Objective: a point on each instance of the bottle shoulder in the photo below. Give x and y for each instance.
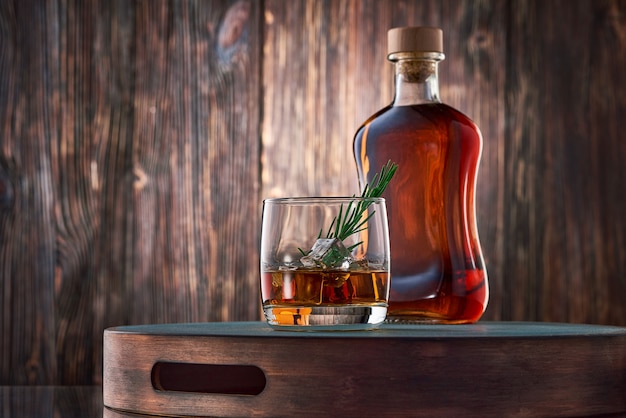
(419, 116)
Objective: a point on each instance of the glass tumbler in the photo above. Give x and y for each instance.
(325, 263)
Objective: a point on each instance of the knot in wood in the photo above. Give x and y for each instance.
(231, 35)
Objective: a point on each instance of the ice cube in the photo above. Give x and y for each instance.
(327, 253)
(308, 262)
(362, 265)
(288, 267)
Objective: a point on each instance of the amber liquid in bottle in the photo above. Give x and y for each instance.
(437, 268)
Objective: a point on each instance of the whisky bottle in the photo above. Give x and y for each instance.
(437, 269)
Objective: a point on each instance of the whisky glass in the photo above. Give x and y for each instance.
(325, 263)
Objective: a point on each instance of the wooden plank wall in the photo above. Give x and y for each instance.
(138, 139)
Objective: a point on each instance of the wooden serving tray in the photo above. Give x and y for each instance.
(245, 369)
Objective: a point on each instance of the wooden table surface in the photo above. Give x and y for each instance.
(485, 369)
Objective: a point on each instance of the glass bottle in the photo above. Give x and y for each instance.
(437, 269)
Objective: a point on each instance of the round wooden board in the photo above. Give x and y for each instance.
(485, 369)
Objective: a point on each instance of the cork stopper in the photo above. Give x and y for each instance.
(415, 39)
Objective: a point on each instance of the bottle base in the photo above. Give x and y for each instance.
(325, 318)
(424, 320)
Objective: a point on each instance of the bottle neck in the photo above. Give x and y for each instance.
(416, 78)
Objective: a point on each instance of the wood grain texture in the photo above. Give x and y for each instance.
(131, 181)
(309, 97)
(138, 138)
(27, 229)
(563, 183)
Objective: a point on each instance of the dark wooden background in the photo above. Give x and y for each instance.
(138, 139)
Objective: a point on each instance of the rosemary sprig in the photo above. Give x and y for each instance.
(351, 220)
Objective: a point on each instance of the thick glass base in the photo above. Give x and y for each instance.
(325, 318)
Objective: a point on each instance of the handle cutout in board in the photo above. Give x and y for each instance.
(225, 379)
